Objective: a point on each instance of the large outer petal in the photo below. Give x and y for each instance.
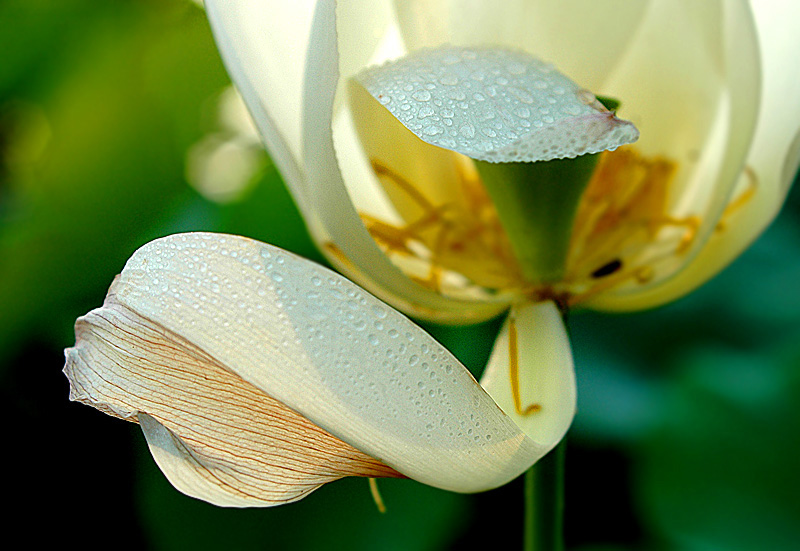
(298, 133)
(264, 47)
(319, 344)
(773, 158)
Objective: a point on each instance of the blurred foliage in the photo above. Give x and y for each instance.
(686, 436)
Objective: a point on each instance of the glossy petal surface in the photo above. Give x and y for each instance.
(494, 105)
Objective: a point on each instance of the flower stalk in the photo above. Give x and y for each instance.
(544, 502)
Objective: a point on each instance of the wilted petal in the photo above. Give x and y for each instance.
(215, 436)
(309, 339)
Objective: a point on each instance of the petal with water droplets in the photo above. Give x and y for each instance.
(501, 105)
(199, 330)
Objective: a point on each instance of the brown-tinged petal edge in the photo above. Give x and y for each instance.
(215, 436)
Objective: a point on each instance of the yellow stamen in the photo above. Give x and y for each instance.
(376, 495)
(623, 213)
(740, 200)
(463, 236)
(623, 230)
(513, 369)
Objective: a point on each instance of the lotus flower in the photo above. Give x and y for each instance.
(257, 376)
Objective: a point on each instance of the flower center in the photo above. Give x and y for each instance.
(622, 230)
(449, 246)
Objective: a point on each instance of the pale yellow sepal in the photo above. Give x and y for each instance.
(545, 376)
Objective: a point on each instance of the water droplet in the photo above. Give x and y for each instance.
(379, 311)
(425, 111)
(421, 95)
(449, 79)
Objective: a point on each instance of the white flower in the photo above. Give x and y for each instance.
(257, 376)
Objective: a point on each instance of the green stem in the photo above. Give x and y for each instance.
(544, 502)
(537, 204)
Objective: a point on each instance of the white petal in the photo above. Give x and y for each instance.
(264, 47)
(494, 105)
(315, 342)
(546, 372)
(584, 38)
(773, 158)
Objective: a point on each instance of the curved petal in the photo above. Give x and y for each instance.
(329, 351)
(566, 33)
(494, 104)
(690, 82)
(771, 163)
(264, 47)
(293, 108)
(546, 374)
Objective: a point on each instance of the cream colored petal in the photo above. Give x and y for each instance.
(331, 216)
(770, 165)
(216, 437)
(546, 372)
(363, 27)
(494, 104)
(584, 38)
(264, 46)
(328, 350)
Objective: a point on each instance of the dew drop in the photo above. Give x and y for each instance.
(449, 79)
(421, 95)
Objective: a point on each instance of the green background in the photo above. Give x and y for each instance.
(687, 431)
